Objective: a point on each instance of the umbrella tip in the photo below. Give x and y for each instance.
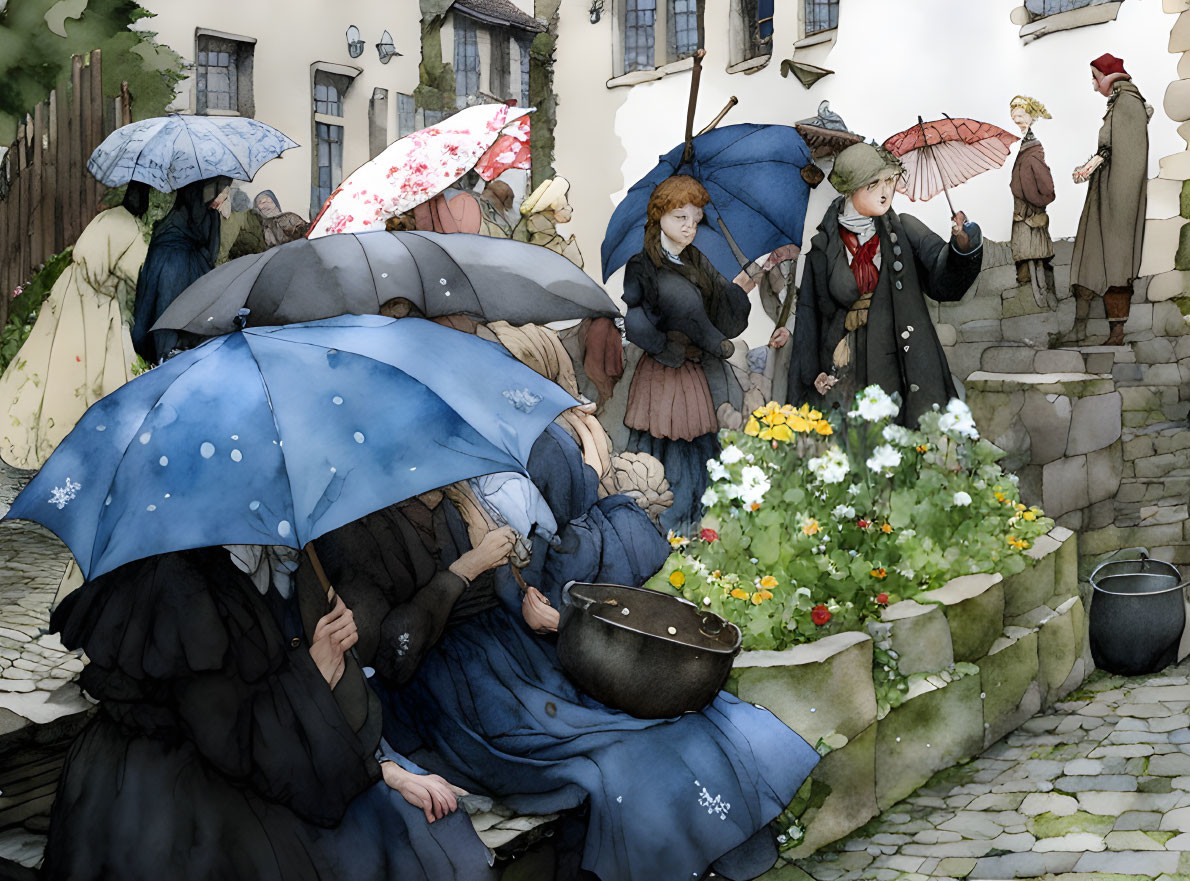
(241, 319)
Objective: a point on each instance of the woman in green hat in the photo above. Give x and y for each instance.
(861, 312)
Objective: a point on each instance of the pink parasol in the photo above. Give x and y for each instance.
(510, 151)
(945, 153)
(420, 166)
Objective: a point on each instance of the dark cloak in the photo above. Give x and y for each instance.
(184, 247)
(898, 348)
(219, 751)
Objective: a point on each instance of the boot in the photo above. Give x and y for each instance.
(1116, 302)
(1082, 309)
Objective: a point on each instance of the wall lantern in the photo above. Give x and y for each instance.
(355, 46)
(386, 48)
(595, 11)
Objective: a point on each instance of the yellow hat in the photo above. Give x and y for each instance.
(1031, 106)
(550, 195)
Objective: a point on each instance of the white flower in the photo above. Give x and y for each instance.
(884, 458)
(873, 405)
(710, 497)
(962, 499)
(716, 470)
(831, 467)
(853, 490)
(957, 420)
(754, 485)
(898, 434)
(802, 592)
(731, 454)
(843, 512)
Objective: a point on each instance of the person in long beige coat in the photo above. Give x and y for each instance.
(1107, 250)
(79, 349)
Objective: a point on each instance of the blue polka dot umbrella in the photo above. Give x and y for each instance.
(277, 435)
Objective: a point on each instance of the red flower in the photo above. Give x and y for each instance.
(882, 599)
(709, 535)
(820, 614)
(863, 524)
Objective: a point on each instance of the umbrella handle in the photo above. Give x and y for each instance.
(320, 572)
(688, 153)
(731, 102)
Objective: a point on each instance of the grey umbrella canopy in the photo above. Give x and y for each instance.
(489, 279)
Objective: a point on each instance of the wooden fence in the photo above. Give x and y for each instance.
(46, 194)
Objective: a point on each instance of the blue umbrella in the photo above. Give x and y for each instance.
(277, 435)
(753, 174)
(168, 152)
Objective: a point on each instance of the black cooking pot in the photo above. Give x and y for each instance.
(1137, 615)
(647, 653)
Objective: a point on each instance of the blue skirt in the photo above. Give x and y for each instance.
(666, 798)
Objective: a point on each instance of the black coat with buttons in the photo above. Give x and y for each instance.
(898, 348)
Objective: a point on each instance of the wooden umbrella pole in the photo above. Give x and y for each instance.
(688, 153)
(320, 572)
(732, 102)
(927, 145)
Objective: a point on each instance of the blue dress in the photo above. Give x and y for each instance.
(491, 709)
(184, 247)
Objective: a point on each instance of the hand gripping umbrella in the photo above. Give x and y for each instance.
(168, 152)
(275, 436)
(945, 153)
(486, 278)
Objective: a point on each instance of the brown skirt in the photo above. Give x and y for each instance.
(670, 402)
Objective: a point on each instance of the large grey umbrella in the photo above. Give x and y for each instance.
(489, 279)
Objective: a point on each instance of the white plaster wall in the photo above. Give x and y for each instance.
(894, 59)
(291, 35)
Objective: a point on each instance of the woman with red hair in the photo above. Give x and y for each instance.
(683, 313)
(1108, 246)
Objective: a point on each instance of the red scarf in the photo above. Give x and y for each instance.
(863, 256)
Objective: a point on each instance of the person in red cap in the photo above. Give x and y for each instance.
(1108, 245)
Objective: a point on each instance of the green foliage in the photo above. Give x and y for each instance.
(22, 311)
(790, 826)
(814, 525)
(34, 59)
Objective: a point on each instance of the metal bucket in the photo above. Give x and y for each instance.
(647, 653)
(1137, 615)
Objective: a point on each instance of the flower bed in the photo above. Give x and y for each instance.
(816, 522)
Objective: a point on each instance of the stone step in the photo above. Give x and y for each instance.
(1094, 360)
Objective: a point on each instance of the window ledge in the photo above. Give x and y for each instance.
(223, 35)
(1098, 13)
(817, 39)
(215, 111)
(750, 64)
(645, 76)
(327, 119)
(347, 70)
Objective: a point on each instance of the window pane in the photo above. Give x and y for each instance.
(216, 80)
(639, 20)
(821, 15)
(525, 50)
(466, 59)
(683, 18)
(406, 115)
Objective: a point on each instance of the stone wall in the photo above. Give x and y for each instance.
(1025, 635)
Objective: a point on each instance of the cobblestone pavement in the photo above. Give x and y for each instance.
(36, 673)
(1098, 787)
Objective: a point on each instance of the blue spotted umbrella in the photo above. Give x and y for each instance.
(168, 152)
(277, 435)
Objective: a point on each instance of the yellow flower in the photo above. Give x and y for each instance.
(755, 506)
(886, 529)
(921, 448)
(1018, 543)
(810, 527)
(1000, 497)
(757, 599)
(752, 429)
(769, 582)
(765, 594)
(716, 575)
(739, 593)
(799, 423)
(677, 578)
(1029, 515)
(1020, 507)
(677, 541)
(813, 415)
(823, 427)
(879, 573)
(777, 433)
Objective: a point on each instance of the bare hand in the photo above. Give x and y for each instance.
(334, 635)
(779, 338)
(538, 613)
(744, 280)
(958, 232)
(493, 551)
(824, 382)
(431, 793)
